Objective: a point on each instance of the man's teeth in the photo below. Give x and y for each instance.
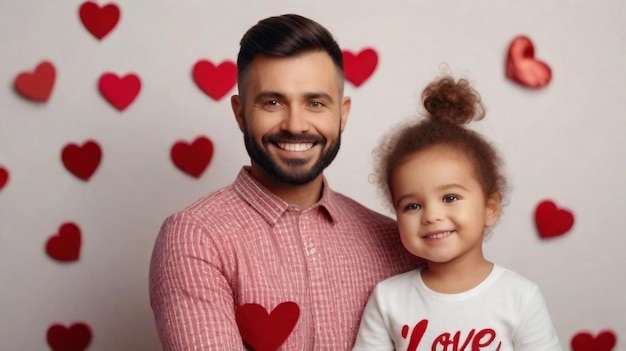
(439, 235)
(295, 147)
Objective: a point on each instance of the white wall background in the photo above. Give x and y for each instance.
(565, 142)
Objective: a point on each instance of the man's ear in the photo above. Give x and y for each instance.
(237, 106)
(493, 206)
(345, 111)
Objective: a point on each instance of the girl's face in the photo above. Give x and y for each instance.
(441, 207)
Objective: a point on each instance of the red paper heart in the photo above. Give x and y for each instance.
(65, 246)
(552, 221)
(263, 331)
(192, 158)
(215, 81)
(36, 86)
(604, 341)
(523, 68)
(4, 177)
(120, 92)
(99, 21)
(82, 161)
(358, 68)
(75, 338)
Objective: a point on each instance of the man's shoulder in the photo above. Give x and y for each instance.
(219, 203)
(352, 208)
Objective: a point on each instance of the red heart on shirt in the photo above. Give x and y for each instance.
(75, 338)
(604, 341)
(215, 81)
(65, 246)
(523, 68)
(99, 21)
(263, 331)
(120, 92)
(4, 177)
(82, 161)
(358, 68)
(36, 86)
(552, 221)
(192, 158)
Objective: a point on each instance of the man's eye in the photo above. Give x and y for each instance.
(450, 198)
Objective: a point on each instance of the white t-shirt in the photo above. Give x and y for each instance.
(504, 312)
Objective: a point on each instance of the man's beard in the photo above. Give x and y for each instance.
(289, 173)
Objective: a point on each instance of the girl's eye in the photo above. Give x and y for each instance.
(450, 198)
(412, 207)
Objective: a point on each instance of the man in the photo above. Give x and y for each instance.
(278, 236)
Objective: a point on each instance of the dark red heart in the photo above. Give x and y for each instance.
(552, 221)
(4, 177)
(36, 86)
(358, 68)
(604, 341)
(99, 21)
(120, 92)
(523, 68)
(75, 338)
(215, 81)
(192, 158)
(82, 161)
(65, 246)
(263, 331)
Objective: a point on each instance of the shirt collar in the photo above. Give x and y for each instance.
(270, 206)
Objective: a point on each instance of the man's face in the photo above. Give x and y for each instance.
(291, 112)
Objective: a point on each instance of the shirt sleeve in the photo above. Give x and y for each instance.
(373, 334)
(191, 298)
(536, 331)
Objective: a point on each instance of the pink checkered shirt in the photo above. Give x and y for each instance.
(242, 244)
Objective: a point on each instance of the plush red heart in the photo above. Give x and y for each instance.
(36, 86)
(82, 161)
(604, 341)
(65, 246)
(75, 338)
(552, 221)
(4, 177)
(523, 68)
(99, 21)
(358, 68)
(215, 81)
(192, 158)
(120, 92)
(263, 331)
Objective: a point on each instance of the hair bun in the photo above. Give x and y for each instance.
(452, 102)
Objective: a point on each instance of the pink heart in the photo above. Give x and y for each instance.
(358, 68)
(552, 221)
(215, 81)
(263, 331)
(120, 92)
(523, 68)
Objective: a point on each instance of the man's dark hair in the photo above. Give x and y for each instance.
(284, 36)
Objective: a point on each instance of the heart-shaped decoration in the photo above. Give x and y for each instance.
(192, 158)
(36, 86)
(75, 338)
(358, 68)
(523, 68)
(65, 246)
(604, 341)
(215, 81)
(4, 177)
(82, 161)
(99, 21)
(552, 221)
(263, 331)
(120, 92)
